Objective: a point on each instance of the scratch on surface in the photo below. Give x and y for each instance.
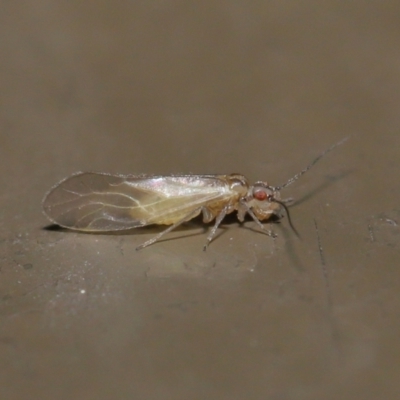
(335, 333)
(323, 265)
(320, 248)
(371, 233)
(391, 221)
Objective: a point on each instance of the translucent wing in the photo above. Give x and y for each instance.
(101, 202)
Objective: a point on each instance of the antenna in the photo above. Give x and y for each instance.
(288, 215)
(302, 172)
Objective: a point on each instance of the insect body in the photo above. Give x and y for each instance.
(97, 202)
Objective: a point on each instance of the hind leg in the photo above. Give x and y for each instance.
(191, 215)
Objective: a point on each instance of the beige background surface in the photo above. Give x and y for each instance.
(256, 87)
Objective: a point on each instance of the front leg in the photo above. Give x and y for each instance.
(246, 209)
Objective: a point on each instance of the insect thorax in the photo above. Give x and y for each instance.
(238, 183)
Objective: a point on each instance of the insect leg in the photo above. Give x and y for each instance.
(262, 227)
(218, 221)
(169, 229)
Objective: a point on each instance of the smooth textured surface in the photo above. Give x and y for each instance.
(258, 88)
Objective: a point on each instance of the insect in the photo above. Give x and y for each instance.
(100, 202)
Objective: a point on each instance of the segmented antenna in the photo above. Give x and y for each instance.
(302, 172)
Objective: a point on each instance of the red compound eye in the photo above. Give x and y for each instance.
(260, 195)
